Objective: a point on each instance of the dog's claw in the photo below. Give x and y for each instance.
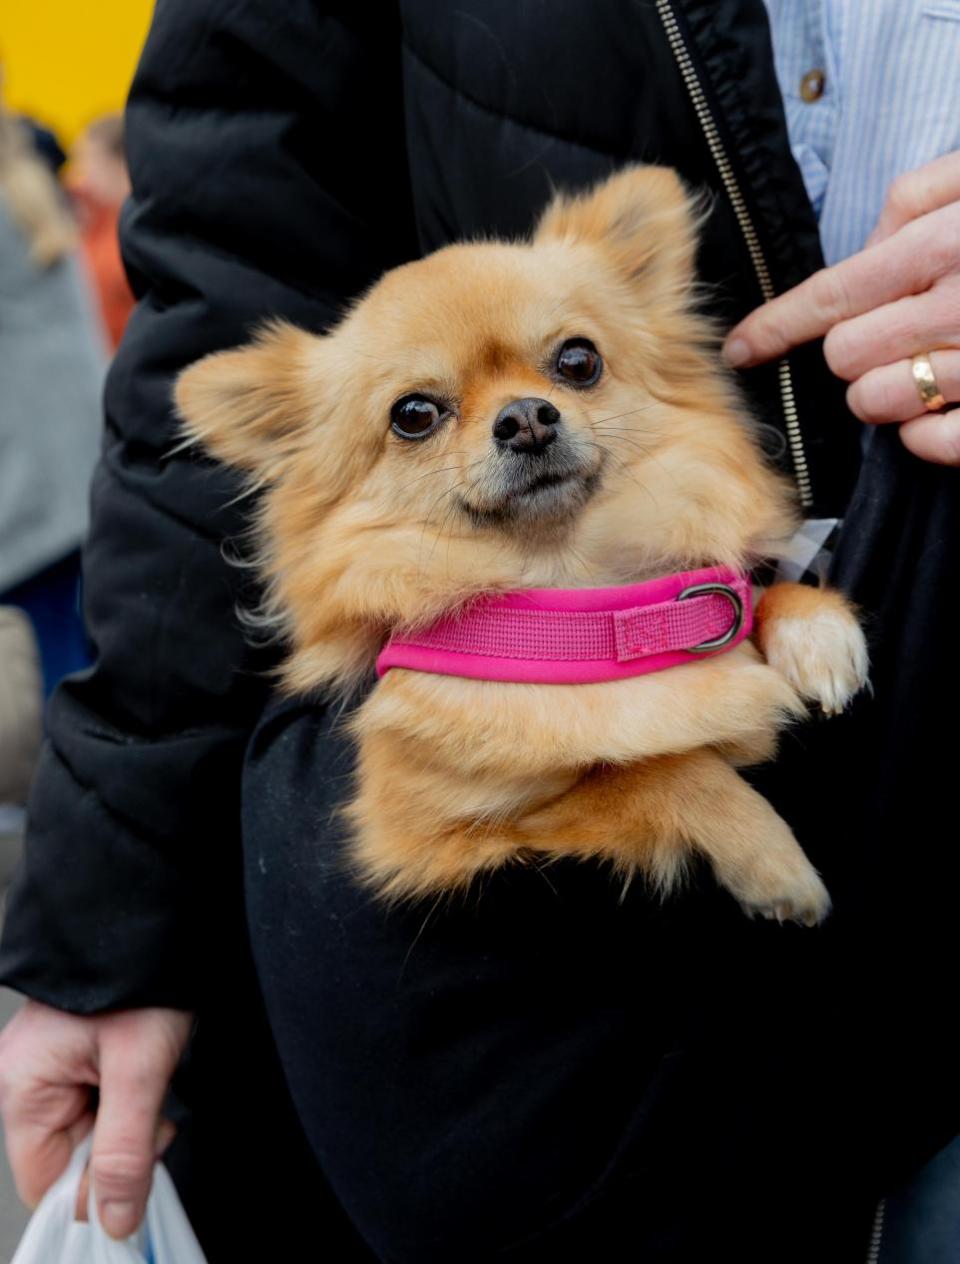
(808, 906)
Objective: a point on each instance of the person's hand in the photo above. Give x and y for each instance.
(49, 1063)
(897, 298)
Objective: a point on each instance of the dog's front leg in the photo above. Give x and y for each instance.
(414, 837)
(812, 637)
(653, 815)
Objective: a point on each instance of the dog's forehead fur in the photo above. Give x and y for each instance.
(482, 303)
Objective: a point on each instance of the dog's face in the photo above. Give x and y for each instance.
(492, 415)
(488, 376)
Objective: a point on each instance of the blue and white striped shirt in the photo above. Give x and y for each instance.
(890, 100)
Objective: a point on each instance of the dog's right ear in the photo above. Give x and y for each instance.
(252, 407)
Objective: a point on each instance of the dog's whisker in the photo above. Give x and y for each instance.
(448, 516)
(439, 499)
(599, 421)
(624, 468)
(623, 429)
(439, 535)
(641, 455)
(643, 449)
(618, 436)
(446, 469)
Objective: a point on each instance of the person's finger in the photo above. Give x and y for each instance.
(889, 393)
(893, 332)
(165, 1135)
(39, 1149)
(934, 437)
(133, 1082)
(907, 264)
(917, 193)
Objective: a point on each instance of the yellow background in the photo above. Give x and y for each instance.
(65, 61)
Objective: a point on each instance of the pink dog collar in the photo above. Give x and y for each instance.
(570, 636)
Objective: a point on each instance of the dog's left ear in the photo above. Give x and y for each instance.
(642, 218)
(252, 407)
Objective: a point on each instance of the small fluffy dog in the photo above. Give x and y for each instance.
(529, 415)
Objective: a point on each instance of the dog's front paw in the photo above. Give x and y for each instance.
(802, 898)
(781, 884)
(823, 655)
(765, 869)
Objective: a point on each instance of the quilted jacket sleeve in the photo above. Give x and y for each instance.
(262, 140)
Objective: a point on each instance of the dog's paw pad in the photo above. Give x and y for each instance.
(824, 657)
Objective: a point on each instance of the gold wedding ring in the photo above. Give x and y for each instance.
(926, 383)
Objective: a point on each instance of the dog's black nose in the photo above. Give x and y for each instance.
(526, 425)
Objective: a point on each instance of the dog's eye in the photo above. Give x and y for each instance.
(579, 362)
(416, 416)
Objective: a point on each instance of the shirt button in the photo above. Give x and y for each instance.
(812, 85)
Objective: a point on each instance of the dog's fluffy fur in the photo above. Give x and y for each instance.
(362, 531)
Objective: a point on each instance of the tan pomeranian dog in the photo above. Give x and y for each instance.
(514, 416)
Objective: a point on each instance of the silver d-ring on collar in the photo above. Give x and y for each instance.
(724, 590)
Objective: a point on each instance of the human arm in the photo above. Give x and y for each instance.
(251, 199)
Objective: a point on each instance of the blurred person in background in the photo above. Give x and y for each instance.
(20, 727)
(52, 362)
(99, 183)
(45, 143)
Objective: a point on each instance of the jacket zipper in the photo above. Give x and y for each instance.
(701, 105)
(876, 1233)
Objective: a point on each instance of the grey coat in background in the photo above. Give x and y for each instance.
(21, 695)
(52, 363)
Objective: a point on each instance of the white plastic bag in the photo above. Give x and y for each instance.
(54, 1236)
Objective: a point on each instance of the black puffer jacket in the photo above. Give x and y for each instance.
(546, 1072)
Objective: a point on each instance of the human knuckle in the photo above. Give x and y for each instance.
(885, 402)
(838, 351)
(138, 1037)
(769, 336)
(142, 1076)
(872, 399)
(951, 237)
(942, 250)
(120, 1168)
(832, 295)
(903, 197)
(858, 401)
(947, 298)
